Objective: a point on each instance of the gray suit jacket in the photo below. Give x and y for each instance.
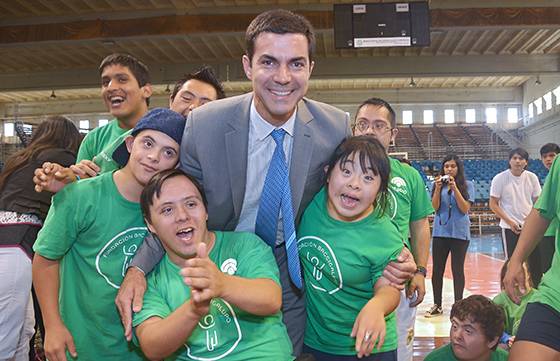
(214, 150)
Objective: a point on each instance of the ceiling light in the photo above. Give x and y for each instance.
(53, 95)
(538, 81)
(412, 83)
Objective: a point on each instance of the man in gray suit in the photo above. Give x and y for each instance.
(228, 146)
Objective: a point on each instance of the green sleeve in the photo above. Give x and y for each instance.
(154, 304)
(85, 151)
(421, 206)
(61, 227)
(547, 204)
(377, 269)
(256, 260)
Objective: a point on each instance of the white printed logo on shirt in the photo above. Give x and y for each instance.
(320, 258)
(229, 266)
(396, 185)
(217, 335)
(113, 259)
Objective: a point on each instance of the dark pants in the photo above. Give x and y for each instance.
(321, 356)
(293, 302)
(509, 240)
(440, 251)
(540, 324)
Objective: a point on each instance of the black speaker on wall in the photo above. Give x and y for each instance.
(381, 25)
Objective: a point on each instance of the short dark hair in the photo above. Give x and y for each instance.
(481, 310)
(519, 151)
(380, 103)
(136, 67)
(153, 189)
(549, 147)
(370, 150)
(279, 21)
(206, 75)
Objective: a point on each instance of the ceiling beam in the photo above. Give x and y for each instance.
(220, 23)
(325, 68)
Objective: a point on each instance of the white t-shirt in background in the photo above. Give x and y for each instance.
(515, 194)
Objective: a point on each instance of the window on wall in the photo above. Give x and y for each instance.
(547, 101)
(470, 115)
(407, 117)
(538, 105)
(512, 115)
(491, 115)
(530, 110)
(449, 116)
(556, 93)
(102, 122)
(84, 126)
(428, 116)
(8, 129)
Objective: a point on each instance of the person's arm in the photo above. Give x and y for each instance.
(371, 319)
(536, 189)
(46, 282)
(85, 169)
(258, 296)
(532, 233)
(132, 289)
(463, 204)
(52, 177)
(436, 196)
(420, 243)
(402, 270)
(161, 337)
(495, 207)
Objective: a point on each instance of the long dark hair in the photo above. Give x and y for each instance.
(55, 132)
(460, 178)
(370, 151)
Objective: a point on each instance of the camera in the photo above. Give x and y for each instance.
(445, 179)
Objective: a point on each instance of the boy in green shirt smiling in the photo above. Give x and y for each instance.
(227, 302)
(92, 231)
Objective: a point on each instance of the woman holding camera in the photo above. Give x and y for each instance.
(452, 197)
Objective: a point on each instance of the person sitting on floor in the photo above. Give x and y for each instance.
(476, 326)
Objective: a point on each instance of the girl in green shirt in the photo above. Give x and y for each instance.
(345, 242)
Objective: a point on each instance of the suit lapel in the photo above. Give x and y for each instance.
(237, 140)
(301, 154)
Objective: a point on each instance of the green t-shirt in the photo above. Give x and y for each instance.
(227, 332)
(552, 227)
(408, 198)
(341, 262)
(513, 311)
(94, 232)
(96, 140)
(548, 205)
(445, 353)
(105, 159)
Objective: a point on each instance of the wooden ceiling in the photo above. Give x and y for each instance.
(58, 44)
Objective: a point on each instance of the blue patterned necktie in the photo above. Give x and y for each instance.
(276, 193)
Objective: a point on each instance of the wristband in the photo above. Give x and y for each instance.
(422, 270)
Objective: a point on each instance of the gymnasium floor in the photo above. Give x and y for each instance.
(484, 260)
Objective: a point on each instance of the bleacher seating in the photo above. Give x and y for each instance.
(479, 171)
(469, 141)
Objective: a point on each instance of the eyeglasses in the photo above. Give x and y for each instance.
(378, 127)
